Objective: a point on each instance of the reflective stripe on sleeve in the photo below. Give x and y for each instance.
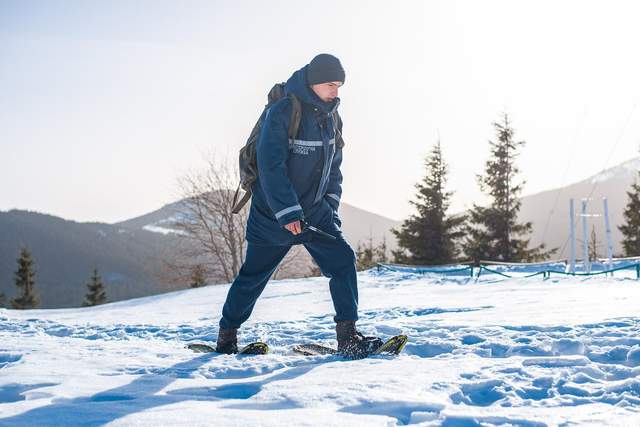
(287, 210)
(334, 197)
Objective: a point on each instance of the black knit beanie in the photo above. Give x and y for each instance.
(324, 68)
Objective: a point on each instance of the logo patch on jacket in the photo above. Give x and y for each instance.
(300, 149)
(298, 146)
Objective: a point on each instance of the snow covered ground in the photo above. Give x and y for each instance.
(497, 351)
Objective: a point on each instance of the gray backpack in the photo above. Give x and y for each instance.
(248, 164)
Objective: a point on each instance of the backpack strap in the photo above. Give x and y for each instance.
(296, 114)
(238, 204)
(337, 121)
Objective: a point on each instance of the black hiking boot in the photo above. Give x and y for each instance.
(227, 341)
(352, 344)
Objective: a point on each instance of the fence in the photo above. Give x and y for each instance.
(526, 270)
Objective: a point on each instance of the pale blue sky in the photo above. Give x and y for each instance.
(104, 104)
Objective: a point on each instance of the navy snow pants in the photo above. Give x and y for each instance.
(335, 258)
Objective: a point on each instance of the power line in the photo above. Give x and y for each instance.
(622, 132)
(606, 162)
(566, 170)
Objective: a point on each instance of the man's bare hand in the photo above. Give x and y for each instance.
(295, 227)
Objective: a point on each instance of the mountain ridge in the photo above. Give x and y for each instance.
(129, 254)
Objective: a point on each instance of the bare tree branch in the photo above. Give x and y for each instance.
(211, 238)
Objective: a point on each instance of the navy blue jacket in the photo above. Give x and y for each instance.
(299, 178)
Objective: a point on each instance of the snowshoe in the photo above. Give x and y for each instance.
(255, 348)
(393, 346)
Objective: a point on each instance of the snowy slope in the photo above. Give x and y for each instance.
(526, 352)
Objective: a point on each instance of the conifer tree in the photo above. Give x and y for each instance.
(429, 237)
(2, 299)
(494, 233)
(368, 255)
(25, 281)
(631, 228)
(198, 276)
(97, 294)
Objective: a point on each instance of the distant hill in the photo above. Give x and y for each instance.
(129, 254)
(549, 210)
(358, 224)
(65, 252)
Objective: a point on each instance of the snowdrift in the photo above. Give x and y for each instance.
(487, 351)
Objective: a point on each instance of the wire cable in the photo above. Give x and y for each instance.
(564, 174)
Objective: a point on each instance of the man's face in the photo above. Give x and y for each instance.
(327, 91)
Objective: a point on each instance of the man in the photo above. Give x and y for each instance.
(299, 181)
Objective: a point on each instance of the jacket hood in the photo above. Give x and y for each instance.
(297, 84)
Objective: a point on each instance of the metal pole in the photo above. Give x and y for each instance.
(572, 238)
(585, 237)
(608, 231)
